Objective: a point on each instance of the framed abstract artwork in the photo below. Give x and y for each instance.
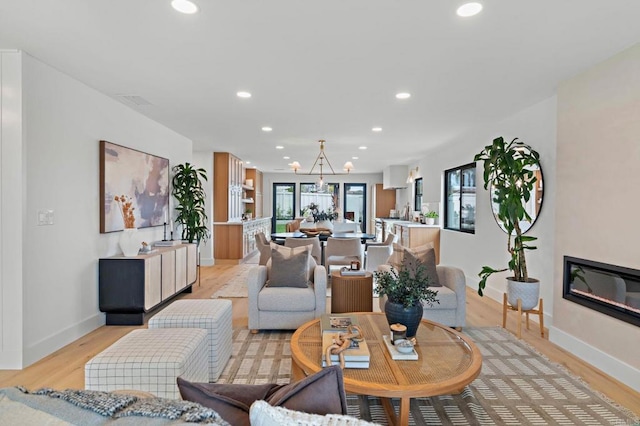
(140, 178)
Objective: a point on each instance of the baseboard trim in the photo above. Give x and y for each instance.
(62, 338)
(614, 367)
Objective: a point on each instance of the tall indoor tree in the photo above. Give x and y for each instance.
(509, 173)
(189, 192)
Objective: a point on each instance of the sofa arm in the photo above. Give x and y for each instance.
(255, 281)
(320, 289)
(454, 278)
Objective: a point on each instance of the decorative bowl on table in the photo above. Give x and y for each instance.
(404, 346)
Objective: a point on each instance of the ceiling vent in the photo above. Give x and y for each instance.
(134, 100)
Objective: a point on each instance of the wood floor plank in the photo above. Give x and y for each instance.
(65, 367)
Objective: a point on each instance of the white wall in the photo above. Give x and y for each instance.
(535, 126)
(204, 159)
(63, 122)
(12, 184)
(597, 206)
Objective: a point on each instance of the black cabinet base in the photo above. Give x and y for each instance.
(125, 319)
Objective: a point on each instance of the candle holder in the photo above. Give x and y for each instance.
(164, 238)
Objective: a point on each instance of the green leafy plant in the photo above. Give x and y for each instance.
(405, 286)
(509, 173)
(432, 214)
(319, 215)
(189, 192)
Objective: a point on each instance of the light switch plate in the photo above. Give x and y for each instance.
(45, 217)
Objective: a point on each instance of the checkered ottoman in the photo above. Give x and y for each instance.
(151, 360)
(212, 315)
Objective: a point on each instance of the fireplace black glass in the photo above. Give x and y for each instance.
(610, 289)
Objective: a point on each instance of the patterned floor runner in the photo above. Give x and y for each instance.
(517, 385)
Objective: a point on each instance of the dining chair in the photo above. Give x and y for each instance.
(314, 242)
(264, 247)
(342, 251)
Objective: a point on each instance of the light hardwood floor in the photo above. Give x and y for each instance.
(65, 368)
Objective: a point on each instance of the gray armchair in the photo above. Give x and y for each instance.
(451, 310)
(285, 308)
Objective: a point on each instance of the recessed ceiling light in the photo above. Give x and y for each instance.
(362, 147)
(403, 95)
(279, 147)
(354, 158)
(469, 9)
(286, 157)
(376, 129)
(184, 6)
(247, 162)
(243, 94)
(266, 129)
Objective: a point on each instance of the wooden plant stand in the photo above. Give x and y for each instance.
(539, 312)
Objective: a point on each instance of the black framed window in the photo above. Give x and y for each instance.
(355, 204)
(460, 204)
(417, 198)
(284, 205)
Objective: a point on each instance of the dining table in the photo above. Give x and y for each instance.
(280, 237)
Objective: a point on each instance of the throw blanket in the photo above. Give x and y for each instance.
(116, 406)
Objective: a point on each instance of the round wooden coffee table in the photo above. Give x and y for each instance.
(448, 361)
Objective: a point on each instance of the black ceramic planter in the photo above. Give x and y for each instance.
(411, 317)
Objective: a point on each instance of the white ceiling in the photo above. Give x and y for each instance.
(322, 69)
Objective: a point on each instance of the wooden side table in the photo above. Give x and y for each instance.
(351, 293)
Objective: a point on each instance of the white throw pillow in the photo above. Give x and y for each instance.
(263, 414)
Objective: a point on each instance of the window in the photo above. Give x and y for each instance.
(284, 196)
(417, 199)
(460, 206)
(355, 202)
(325, 200)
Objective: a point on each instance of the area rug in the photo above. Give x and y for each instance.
(236, 285)
(517, 385)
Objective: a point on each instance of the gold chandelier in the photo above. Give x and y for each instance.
(321, 159)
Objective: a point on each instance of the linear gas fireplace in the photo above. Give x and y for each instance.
(612, 290)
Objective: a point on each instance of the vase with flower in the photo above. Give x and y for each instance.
(322, 218)
(130, 242)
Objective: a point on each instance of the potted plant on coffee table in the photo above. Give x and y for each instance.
(189, 192)
(509, 172)
(406, 290)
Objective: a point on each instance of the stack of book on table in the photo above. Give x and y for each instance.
(353, 272)
(357, 355)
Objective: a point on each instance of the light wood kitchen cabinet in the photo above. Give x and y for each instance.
(256, 192)
(237, 240)
(228, 181)
(131, 286)
(414, 235)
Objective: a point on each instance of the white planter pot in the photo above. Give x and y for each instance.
(130, 242)
(429, 220)
(528, 292)
(324, 224)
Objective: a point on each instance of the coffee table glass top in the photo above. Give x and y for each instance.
(448, 360)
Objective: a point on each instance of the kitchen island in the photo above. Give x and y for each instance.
(412, 234)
